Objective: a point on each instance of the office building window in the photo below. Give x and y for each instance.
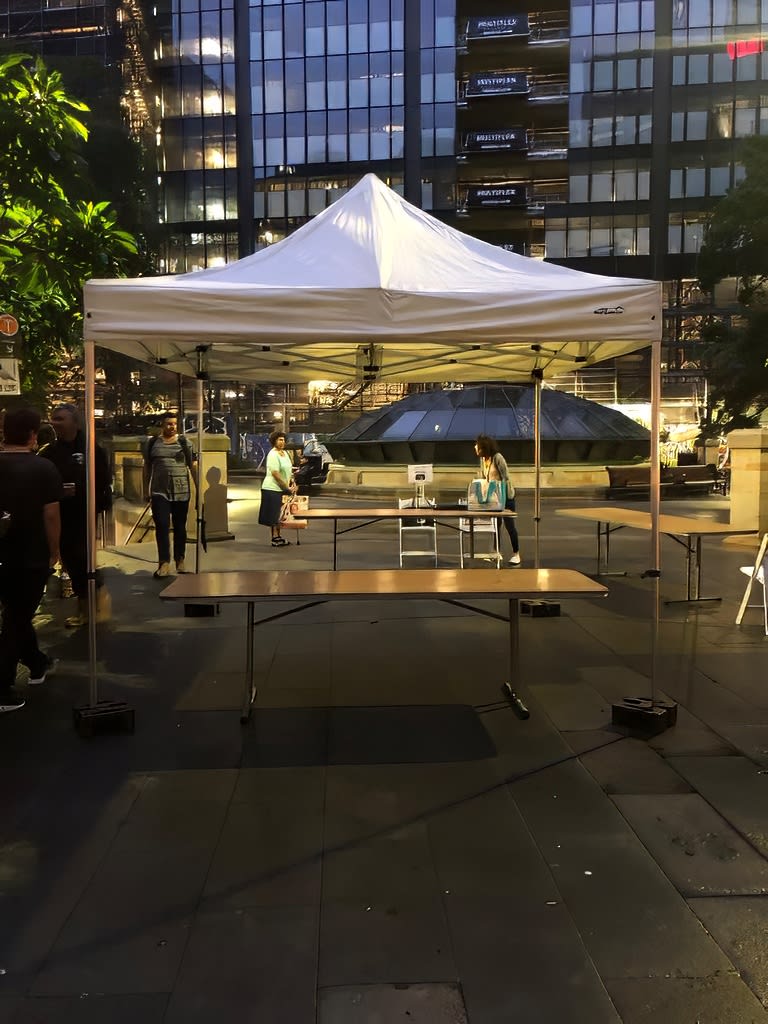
(578, 237)
(685, 233)
(345, 58)
(719, 180)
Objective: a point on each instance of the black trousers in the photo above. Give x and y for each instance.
(74, 555)
(165, 512)
(509, 523)
(21, 591)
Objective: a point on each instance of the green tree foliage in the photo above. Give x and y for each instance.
(736, 357)
(736, 245)
(53, 235)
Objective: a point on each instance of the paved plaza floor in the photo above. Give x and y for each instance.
(386, 840)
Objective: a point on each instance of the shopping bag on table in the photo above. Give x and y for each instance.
(294, 506)
(486, 496)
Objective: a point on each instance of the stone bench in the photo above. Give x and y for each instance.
(676, 481)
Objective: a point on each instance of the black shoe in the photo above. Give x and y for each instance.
(10, 701)
(280, 542)
(39, 678)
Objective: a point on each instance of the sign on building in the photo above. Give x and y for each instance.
(497, 84)
(509, 138)
(10, 379)
(497, 195)
(10, 374)
(507, 25)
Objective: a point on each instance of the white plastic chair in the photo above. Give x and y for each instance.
(424, 531)
(755, 576)
(484, 529)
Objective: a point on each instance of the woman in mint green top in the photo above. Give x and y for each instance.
(278, 480)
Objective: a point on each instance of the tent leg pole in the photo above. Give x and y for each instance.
(200, 475)
(648, 715)
(655, 510)
(538, 376)
(90, 480)
(105, 716)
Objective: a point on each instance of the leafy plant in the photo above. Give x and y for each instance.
(736, 245)
(53, 235)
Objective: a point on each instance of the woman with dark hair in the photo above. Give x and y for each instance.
(493, 466)
(278, 481)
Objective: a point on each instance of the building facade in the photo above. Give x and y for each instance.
(598, 133)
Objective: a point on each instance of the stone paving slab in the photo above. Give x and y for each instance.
(129, 928)
(522, 746)
(267, 856)
(252, 964)
(213, 690)
(737, 789)
(382, 1004)
(602, 870)
(716, 1000)
(750, 740)
(530, 967)
(484, 855)
(707, 698)
(745, 675)
(44, 871)
(377, 943)
(573, 706)
(694, 845)
(739, 925)
(86, 1008)
(631, 766)
(390, 870)
(364, 801)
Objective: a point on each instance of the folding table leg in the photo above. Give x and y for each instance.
(249, 693)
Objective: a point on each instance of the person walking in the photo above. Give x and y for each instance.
(278, 481)
(169, 462)
(493, 466)
(30, 526)
(69, 455)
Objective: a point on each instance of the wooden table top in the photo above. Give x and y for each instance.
(641, 520)
(399, 513)
(292, 584)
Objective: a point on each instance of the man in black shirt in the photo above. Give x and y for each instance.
(29, 545)
(68, 454)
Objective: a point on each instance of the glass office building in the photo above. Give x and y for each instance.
(598, 133)
(268, 112)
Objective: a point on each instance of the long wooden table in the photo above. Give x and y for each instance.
(687, 531)
(369, 516)
(452, 586)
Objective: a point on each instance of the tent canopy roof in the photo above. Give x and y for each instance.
(375, 282)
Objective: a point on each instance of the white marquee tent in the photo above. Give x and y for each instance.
(375, 288)
(372, 269)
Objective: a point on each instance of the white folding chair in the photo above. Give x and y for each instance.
(485, 530)
(424, 532)
(756, 574)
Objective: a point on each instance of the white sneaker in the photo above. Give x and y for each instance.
(9, 702)
(515, 559)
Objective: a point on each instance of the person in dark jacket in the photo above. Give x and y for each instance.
(29, 545)
(68, 454)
